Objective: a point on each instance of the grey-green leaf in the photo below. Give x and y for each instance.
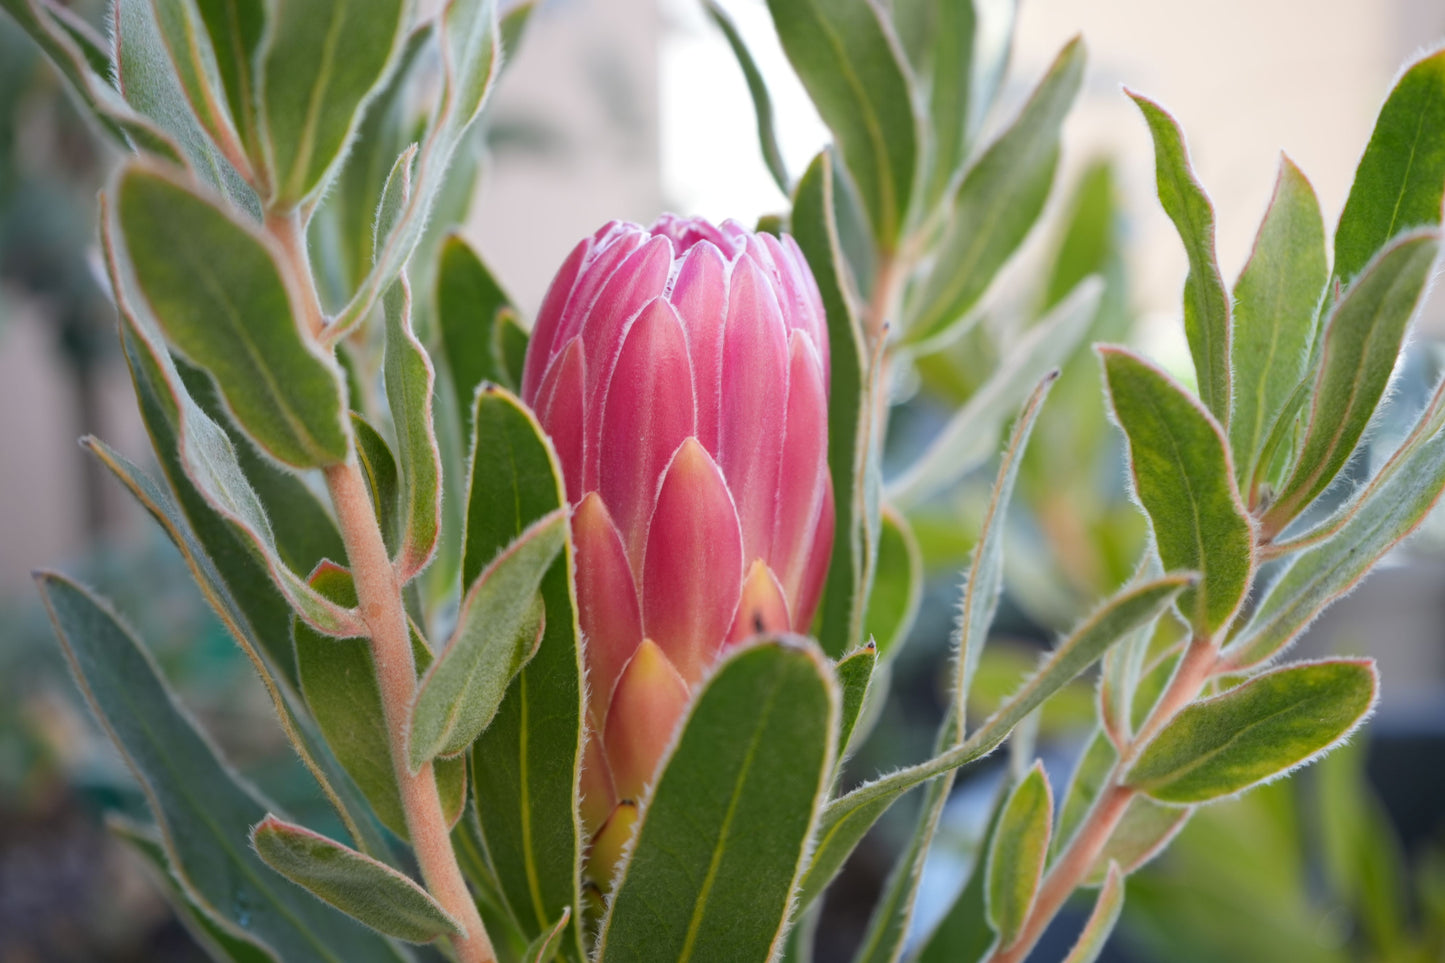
(846, 55)
(816, 231)
(236, 28)
(897, 583)
(204, 809)
(367, 891)
(848, 818)
(997, 204)
(410, 381)
(1183, 478)
(1206, 304)
(1362, 342)
(544, 948)
(739, 794)
(194, 62)
(1016, 854)
(758, 90)
(1396, 501)
(1091, 939)
(1257, 731)
(1275, 301)
(214, 286)
(383, 483)
(498, 630)
(855, 674)
(1400, 181)
(320, 62)
(468, 301)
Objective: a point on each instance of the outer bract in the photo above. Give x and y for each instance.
(682, 372)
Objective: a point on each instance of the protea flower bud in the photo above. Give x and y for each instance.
(682, 373)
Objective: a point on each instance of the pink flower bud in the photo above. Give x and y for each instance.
(682, 373)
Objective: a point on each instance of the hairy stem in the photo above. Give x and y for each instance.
(1082, 852)
(380, 606)
(378, 591)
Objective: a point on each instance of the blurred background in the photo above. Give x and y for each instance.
(626, 108)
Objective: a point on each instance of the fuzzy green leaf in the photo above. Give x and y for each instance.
(739, 794)
(1257, 731)
(235, 28)
(383, 483)
(1275, 301)
(545, 947)
(195, 66)
(531, 752)
(816, 231)
(963, 933)
(1206, 304)
(1182, 476)
(1400, 181)
(846, 55)
(997, 204)
(1016, 854)
(319, 65)
(846, 819)
(1393, 505)
(204, 809)
(409, 389)
(897, 585)
(951, 25)
(214, 286)
(468, 301)
(1362, 343)
(1091, 939)
(369, 892)
(338, 679)
(498, 631)
(758, 90)
(855, 675)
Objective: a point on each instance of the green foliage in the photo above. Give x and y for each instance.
(1016, 855)
(739, 794)
(1095, 933)
(409, 387)
(855, 678)
(469, 306)
(370, 892)
(1256, 731)
(897, 583)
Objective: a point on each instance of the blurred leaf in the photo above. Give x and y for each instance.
(1394, 503)
(950, 90)
(218, 942)
(1400, 181)
(498, 631)
(544, 948)
(509, 346)
(816, 232)
(215, 288)
(1095, 934)
(963, 934)
(1017, 853)
(855, 675)
(369, 892)
(1206, 304)
(897, 585)
(338, 678)
(970, 436)
(410, 381)
(383, 484)
(758, 89)
(1179, 461)
(846, 819)
(996, 205)
(319, 63)
(1362, 343)
(468, 301)
(528, 759)
(1255, 732)
(1275, 301)
(204, 809)
(739, 794)
(845, 54)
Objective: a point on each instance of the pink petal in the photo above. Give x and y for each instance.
(809, 315)
(692, 569)
(636, 281)
(560, 410)
(805, 465)
(649, 411)
(700, 295)
(611, 247)
(811, 591)
(543, 345)
(762, 609)
(607, 608)
(650, 699)
(754, 399)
